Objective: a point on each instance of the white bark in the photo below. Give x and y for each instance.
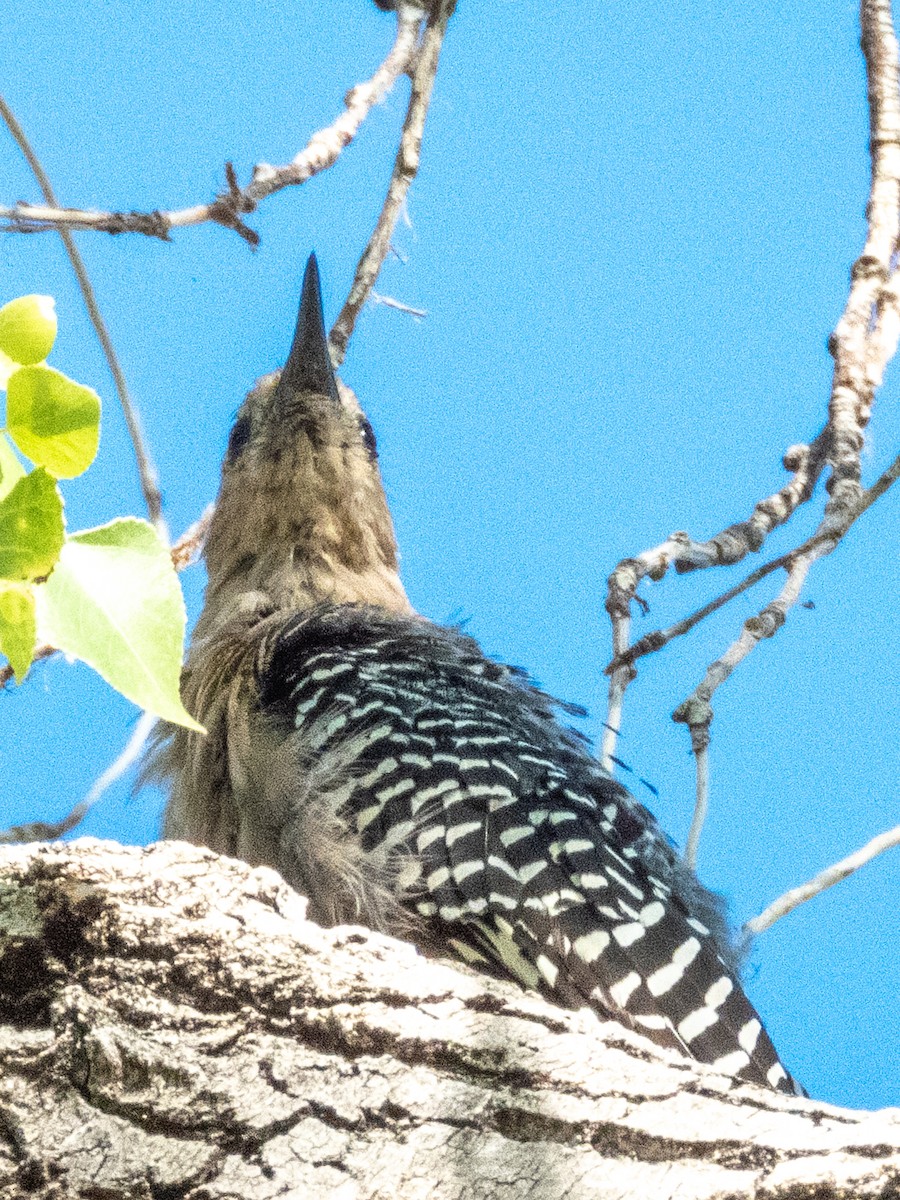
(172, 1028)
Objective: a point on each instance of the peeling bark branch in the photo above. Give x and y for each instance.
(230, 206)
(696, 711)
(863, 342)
(681, 553)
(171, 1025)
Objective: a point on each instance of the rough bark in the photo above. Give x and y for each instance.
(172, 1026)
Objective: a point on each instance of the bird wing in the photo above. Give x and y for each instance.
(505, 838)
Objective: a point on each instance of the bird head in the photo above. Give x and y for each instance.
(301, 517)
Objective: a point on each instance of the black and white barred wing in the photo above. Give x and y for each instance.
(565, 910)
(497, 829)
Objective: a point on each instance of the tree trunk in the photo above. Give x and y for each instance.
(171, 1026)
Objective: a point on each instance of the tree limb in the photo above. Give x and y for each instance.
(821, 882)
(231, 205)
(863, 342)
(171, 1025)
(406, 166)
(147, 472)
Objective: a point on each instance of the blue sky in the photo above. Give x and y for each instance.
(631, 232)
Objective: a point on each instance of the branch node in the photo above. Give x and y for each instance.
(697, 714)
(796, 458)
(868, 266)
(225, 208)
(765, 624)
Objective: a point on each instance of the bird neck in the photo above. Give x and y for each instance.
(280, 544)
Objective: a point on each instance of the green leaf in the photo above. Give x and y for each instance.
(114, 601)
(7, 366)
(31, 528)
(11, 470)
(28, 328)
(53, 420)
(18, 627)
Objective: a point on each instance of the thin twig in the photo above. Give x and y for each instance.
(620, 677)
(390, 302)
(658, 638)
(146, 468)
(696, 710)
(44, 831)
(825, 879)
(231, 205)
(681, 553)
(701, 805)
(189, 545)
(406, 165)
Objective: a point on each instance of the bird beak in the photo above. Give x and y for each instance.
(308, 368)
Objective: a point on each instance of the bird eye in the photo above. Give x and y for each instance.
(368, 437)
(240, 435)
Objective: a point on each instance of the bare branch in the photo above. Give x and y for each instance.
(189, 545)
(622, 673)
(864, 341)
(696, 711)
(406, 166)
(701, 805)
(682, 553)
(885, 332)
(852, 390)
(861, 343)
(651, 642)
(147, 472)
(322, 151)
(46, 831)
(825, 879)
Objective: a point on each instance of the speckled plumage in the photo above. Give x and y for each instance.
(403, 780)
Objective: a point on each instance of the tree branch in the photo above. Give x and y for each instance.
(406, 166)
(824, 880)
(147, 472)
(230, 206)
(171, 1024)
(863, 342)
(682, 553)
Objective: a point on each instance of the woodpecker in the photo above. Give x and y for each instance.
(401, 779)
